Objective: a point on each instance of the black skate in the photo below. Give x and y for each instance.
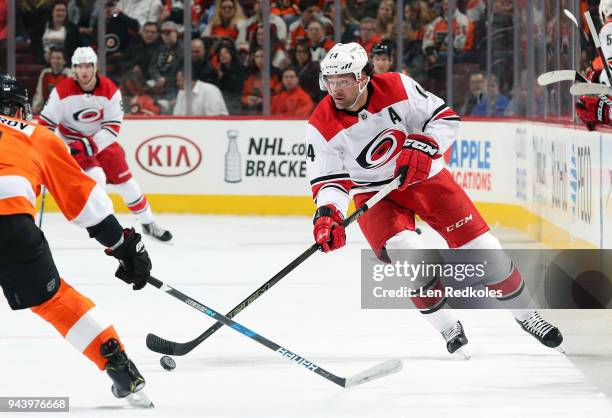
(544, 332)
(156, 232)
(127, 380)
(456, 339)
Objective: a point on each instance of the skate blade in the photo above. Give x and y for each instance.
(560, 349)
(463, 353)
(139, 400)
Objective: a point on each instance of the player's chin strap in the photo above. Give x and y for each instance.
(361, 90)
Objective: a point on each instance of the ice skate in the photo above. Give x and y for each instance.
(160, 234)
(456, 340)
(544, 332)
(127, 380)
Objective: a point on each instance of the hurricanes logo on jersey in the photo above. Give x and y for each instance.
(381, 149)
(88, 115)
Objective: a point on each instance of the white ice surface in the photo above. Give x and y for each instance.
(315, 311)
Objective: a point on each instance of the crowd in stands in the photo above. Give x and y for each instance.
(144, 50)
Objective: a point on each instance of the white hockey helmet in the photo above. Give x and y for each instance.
(85, 55)
(343, 59)
(605, 10)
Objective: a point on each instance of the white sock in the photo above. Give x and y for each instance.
(135, 200)
(441, 319)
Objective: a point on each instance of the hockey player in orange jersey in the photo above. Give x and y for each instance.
(31, 157)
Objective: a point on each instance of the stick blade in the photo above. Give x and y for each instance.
(383, 369)
(159, 345)
(557, 76)
(586, 89)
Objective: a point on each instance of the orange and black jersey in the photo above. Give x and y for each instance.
(31, 156)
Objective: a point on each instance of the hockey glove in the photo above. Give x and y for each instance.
(134, 263)
(414, 160)
(328, 228)
(83, 149)
(594, 110)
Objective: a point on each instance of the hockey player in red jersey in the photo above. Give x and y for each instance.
(373, 128)
(87, 112)
(595, 110)
(32, 157)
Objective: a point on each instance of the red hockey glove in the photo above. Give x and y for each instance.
(329, 228)
(593, 75)
(414, 161)
(594, 110)
(83, 149)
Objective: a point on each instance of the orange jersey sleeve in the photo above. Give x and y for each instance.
(32, 156)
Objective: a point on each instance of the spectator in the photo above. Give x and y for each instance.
(228, 15)
(60, 32)
(416, 17)
(287, 9)
(382, 58)
(292, 100)
(309, 11)
(136, 97)
(206, 99)
(360, 9)
(278, 56)
(83, 13)
(31, 18)
(385, 20)
(308, 71)
(49, 78)
(166, 61)
(247, 28)
(435, 41)
(349, 27)
(231, 76)
(499, 101)
(121, 30)
(367, 34)
(252, 94)
(142, 10)
(477, 84)
(200, 65)
(143, 48)
(317, 41)
(476, 10)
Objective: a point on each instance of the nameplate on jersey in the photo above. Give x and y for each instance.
(24, 127)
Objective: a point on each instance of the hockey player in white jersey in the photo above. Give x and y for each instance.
(595, 110)
(87, 113)
(373, 128)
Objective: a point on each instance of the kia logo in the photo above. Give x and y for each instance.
(168, 155)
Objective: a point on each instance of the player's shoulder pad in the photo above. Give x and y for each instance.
(18, 125)
(388, 89)
(607, 28)
(68, 87)
(328, 120)
(106, 87)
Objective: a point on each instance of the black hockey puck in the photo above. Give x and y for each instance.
(167, 363)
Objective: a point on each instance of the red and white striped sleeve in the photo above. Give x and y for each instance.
(111, 123)
(329, 180)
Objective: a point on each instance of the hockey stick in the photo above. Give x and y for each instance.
(161, 345)
(590, 89)
(571, 17)
(380, 370)
(560, 75)
(42, 206)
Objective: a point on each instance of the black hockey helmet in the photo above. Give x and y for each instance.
(382, 49)
(13, 97)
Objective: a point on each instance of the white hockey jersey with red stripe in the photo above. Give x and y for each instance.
(77, 114)
(605, 38)
(355, 152)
